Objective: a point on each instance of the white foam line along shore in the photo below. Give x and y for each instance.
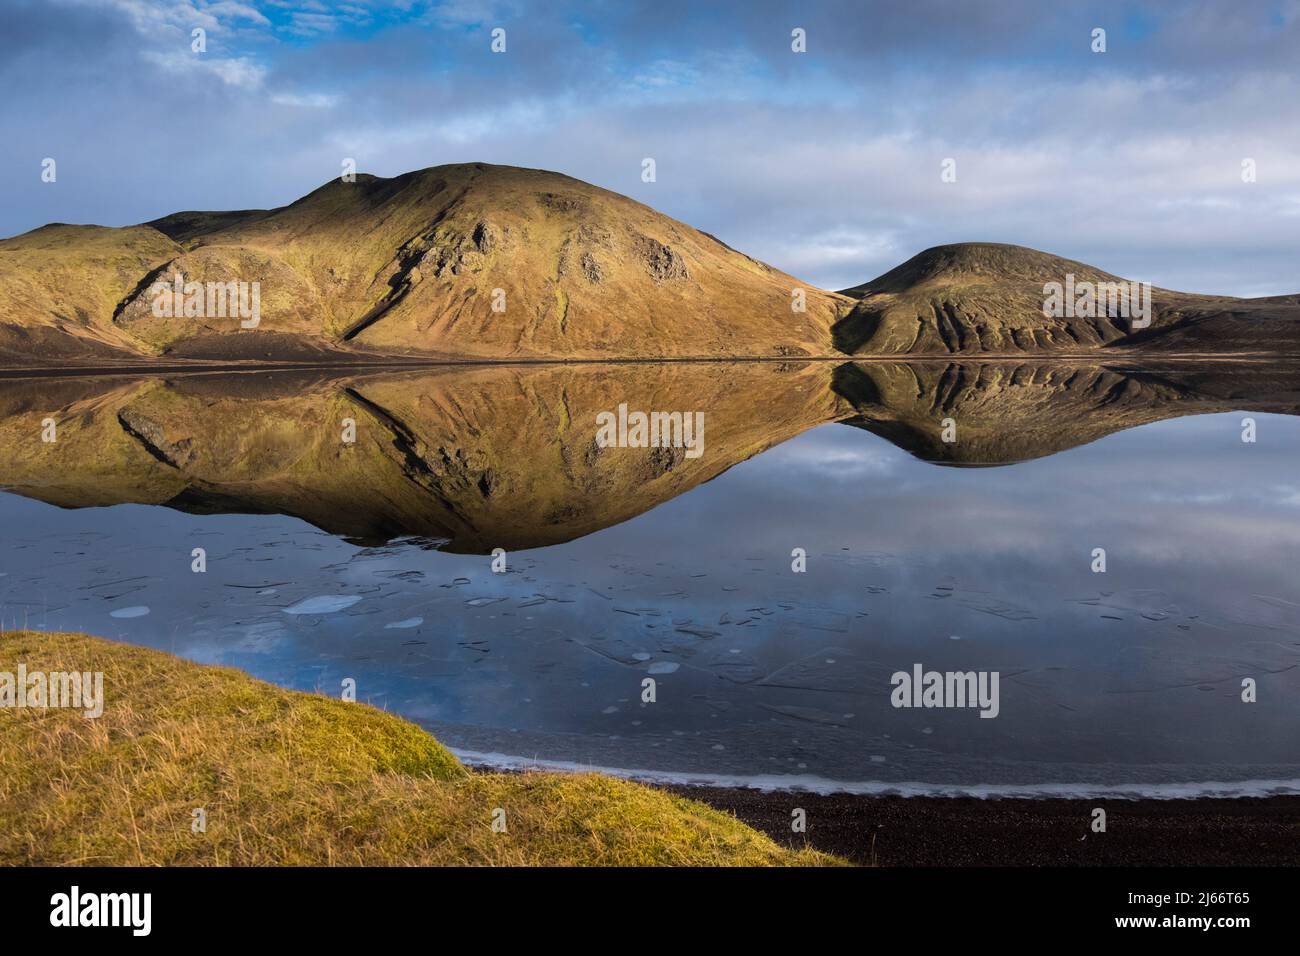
(821, 785)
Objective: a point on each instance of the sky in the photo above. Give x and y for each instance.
(826, 163)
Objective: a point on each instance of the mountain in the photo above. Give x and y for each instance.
(410, 267)
(988, 298)
(488, 262)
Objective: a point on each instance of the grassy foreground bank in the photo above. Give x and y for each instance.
(291, 778)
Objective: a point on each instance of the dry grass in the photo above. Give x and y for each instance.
(293, 778)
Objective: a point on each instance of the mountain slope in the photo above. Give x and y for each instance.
(467, 260)
(61, 284)
(988, 298)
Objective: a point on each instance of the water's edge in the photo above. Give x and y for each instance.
(799, 783)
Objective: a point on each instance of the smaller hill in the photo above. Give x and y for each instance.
(989, 298)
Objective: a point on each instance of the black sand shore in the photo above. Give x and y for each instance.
(966, 831)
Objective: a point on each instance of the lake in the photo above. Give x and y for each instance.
(841, 524)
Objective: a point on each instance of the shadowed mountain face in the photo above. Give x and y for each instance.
(493, 262)
(480, 458)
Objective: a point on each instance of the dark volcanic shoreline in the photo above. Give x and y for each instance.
(970, 831)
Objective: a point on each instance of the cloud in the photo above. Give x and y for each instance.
(307, 100)
(825, 164)
(239, 72)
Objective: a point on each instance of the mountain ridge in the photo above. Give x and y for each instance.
(481, 262)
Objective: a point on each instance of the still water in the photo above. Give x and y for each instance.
(371, 560)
